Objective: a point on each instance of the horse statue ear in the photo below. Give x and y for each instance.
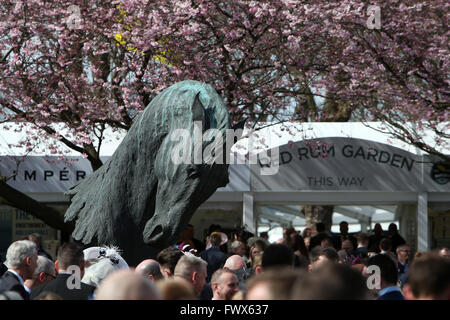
(198, 112)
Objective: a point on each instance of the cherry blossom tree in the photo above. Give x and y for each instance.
(93, 64)
(384, 61)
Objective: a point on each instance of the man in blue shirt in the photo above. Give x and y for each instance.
(403, 252)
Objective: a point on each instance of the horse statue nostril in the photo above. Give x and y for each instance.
(153, 233)
(156, 231)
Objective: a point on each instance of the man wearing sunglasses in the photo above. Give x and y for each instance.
(44, 272)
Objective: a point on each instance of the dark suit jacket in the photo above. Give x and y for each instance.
(3, 269)
(10, 282)
(393, 295)
(215, 258)
(59, 287)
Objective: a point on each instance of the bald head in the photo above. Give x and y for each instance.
(150, 269)
(235, 262)
(127, 285)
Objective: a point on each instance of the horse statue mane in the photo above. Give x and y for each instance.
(140, 198)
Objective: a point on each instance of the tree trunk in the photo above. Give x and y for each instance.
(316, 214)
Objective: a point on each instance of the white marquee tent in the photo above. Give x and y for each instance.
(368, 176)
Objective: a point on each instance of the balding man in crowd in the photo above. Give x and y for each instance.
(21, 260)
(150, 269)
(224, 284)
(127, 285)
(44, 272)
(192, 269)
(237, 265)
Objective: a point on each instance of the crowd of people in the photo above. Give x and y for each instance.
(312, 264)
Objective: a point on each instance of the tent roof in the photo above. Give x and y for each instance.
(275, 135)
(270, 135)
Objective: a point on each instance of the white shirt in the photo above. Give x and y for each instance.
(20, 280)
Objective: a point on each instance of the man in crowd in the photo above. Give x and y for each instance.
(403, 252)
(213, 255)
(168, 259)
(388, 277)
(374, 240)
(277, 255)
(224, 284)
(127, 285)
(317, 239)
(237, 265)
(346, 254)
(234, 264)
(428, 278)
(331, 281)
(386, 248)
(21, 260)
(327, 242)
(70, 267)
(362, 241)
(344, 235)
(321, 255)
(150, 269)
(44, 272)
(274, 284)
(395, 237)
(239, 248)
(192, 269)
